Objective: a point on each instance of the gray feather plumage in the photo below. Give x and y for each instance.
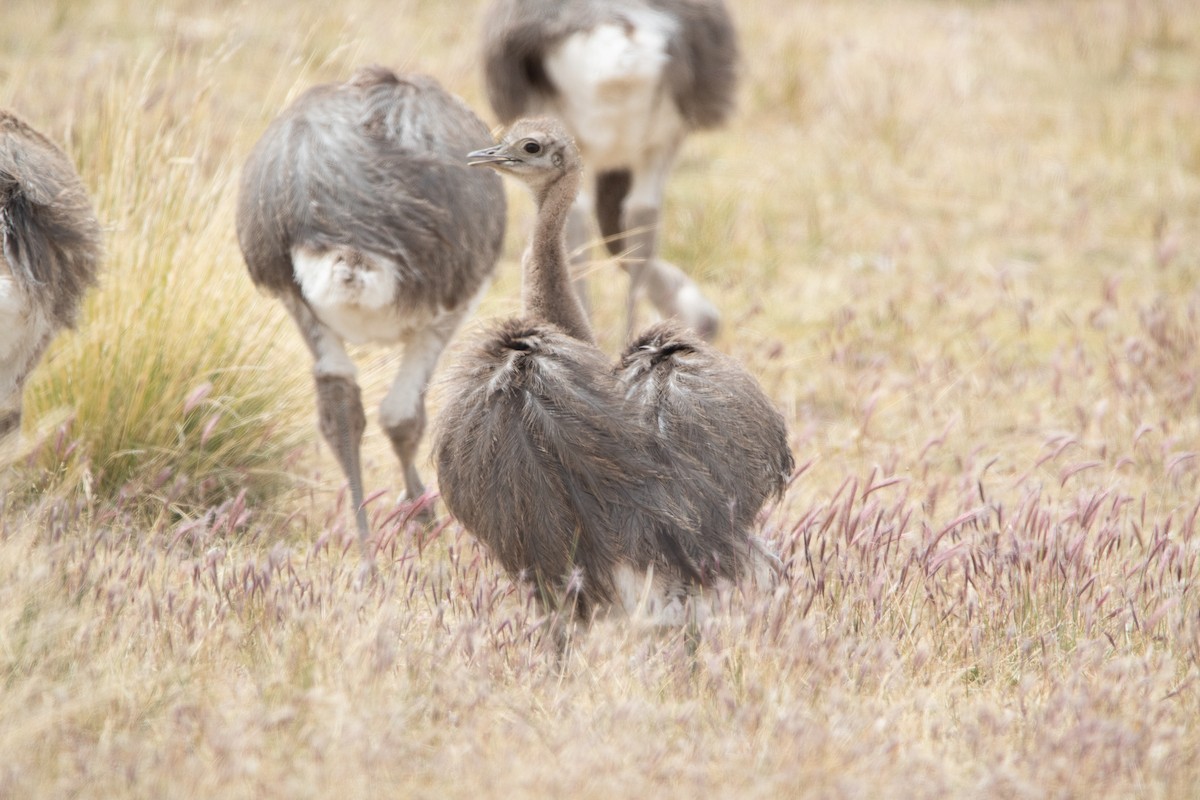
(539, 458)
(701, 74)
(48, 230)
(376, 164)
(708, 408)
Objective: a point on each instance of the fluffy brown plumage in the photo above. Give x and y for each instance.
(707, 406)
(374, 163)
(537, 457)
(570, 470)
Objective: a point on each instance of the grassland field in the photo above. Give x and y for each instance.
(957, 241)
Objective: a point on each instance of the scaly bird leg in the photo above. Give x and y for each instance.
(665, 285)
(640, 240)
(339, 402)
(402, 413)
(342, 422)
(13, 373)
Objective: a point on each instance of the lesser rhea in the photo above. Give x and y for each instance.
(49, 257)
(356, 211)
(591, 482)
(630, 79)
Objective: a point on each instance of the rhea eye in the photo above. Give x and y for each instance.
(532, 147)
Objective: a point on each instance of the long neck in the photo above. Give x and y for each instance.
(547, 286)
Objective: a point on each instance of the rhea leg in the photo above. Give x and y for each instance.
(402, 413)
(671, 292)
(13, 372)
(339, 402)
(10, 400)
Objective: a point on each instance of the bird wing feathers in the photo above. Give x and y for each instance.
(377, 164)
(537, 458)
(705, 406)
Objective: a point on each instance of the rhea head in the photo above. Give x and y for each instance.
(538, 151)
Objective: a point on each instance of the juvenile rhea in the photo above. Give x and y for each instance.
(572, 475)
(630, 79)
(50, 254)
(357, 212)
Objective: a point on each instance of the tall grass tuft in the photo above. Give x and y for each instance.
(169, 388)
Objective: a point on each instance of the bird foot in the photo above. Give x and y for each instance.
(422, 509)
(697, 312)
(674, 294)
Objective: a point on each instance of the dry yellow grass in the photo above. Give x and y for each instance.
(956, 240)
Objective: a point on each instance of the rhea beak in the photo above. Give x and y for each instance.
(497, 154)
